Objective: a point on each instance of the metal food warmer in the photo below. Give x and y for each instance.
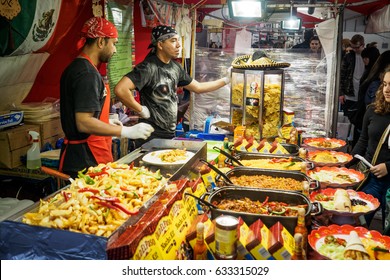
(257, 101)
(23, 241)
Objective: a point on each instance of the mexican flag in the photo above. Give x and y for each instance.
(30, 29)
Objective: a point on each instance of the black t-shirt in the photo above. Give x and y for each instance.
(81, 90)
(157, 83)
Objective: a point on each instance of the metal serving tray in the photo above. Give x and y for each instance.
(291, 148)
(248, 171)
(293, 198)
(249, 156)
(69, 247)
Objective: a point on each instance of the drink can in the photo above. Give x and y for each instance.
(226, 237)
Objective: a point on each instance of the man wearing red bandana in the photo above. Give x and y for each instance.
(85, 102)
(157, 79)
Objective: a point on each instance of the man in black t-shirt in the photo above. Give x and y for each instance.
(157, 79)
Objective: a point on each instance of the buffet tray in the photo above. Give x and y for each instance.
(291, 148)
(234, 192)
(47, 239)
(241, 171)
(254, 156)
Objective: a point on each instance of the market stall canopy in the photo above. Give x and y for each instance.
(363, 7)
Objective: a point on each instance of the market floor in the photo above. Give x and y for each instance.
(376, 223)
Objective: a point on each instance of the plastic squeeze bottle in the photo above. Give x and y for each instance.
(34, 153)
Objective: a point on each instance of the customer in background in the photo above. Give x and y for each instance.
(352, 69)
(157, 79)
(369, 55)
(346, 46)
(375, 122)
(315, 44)
(368, 88)
(85, 102)
(308, 34)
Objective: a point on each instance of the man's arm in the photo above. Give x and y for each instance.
(197, 87)
(86, 123)
(123, 90)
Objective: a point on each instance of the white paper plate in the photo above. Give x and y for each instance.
(154, 159)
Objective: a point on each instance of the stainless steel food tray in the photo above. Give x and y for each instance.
(240, 171)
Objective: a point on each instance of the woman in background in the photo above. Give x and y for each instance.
(368, 88)
(375, 122)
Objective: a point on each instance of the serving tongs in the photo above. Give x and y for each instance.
(219, 172)
(228, 155)
(202, 200)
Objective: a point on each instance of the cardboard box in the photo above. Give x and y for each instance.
(14, 143)
(257, 242)
(49, 131)
(48, 128)
(282, 243)
(243, 234)
(147, 249)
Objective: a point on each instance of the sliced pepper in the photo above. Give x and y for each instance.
(88, 180)
(66, 195)
(106, 204)
(123, 209)
(94, 174)
(291, 164)
(88, 190)
(265, 201)
(279, 212)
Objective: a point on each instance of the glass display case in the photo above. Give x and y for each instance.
(257, 101)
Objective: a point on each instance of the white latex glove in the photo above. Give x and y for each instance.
(228, 76)
(115, 122)
(138, 131)
(145, 113)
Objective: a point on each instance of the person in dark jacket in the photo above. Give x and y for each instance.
(309, 33)
(369, 87)
(352, 69)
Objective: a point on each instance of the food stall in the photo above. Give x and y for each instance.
(160, 222)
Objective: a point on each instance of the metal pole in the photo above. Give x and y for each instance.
(338, 42)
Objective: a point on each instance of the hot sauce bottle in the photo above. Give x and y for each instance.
(302, 229)
(200, 248)
(298, 252)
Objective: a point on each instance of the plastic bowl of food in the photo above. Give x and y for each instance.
(331, 242)
(336, 177)
(324, 143)
(328, 158)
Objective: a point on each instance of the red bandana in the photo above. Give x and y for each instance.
(97, 27)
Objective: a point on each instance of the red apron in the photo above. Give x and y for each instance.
(100, 146)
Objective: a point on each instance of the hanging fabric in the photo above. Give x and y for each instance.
(243, 41)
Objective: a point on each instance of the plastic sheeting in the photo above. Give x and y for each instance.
(24, 242)
(379, 21)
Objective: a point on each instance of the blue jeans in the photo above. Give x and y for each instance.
(377, 188)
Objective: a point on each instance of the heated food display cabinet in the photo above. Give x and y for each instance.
(257, 101)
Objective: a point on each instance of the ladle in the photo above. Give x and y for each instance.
(202, 200)
(223, 175)
(228, 155)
